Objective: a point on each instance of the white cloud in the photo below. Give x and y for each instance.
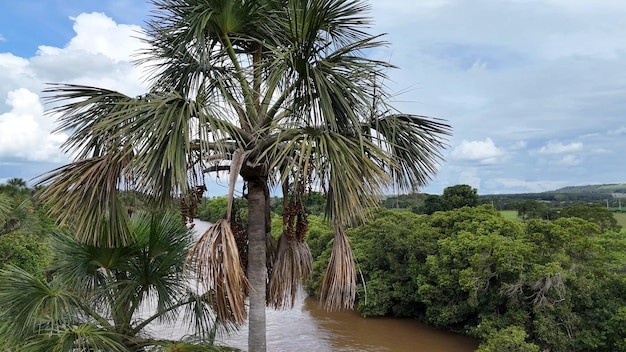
(2, 38)
(100, 54)
(560, 148)
(569, 160)
(617, 131)
(94, 34)
(517, 185)
(25, 131)
(485, 151)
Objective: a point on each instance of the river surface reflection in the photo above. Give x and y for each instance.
(308, 327)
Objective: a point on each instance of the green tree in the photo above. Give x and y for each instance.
(102, 299)
(15, 187)
(460, 196)
(596, 214)
(25, 251)
(277, 92)
(511, 339)
(432, 204)
(532, 209)
(19, 211)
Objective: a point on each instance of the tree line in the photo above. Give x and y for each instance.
(517, 286)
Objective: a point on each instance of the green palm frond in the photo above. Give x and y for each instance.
(203, 320)
(82, 337)
(30, 306)
(5, 206)
(349, 168)
(157, 268)
(84, 194)
(191, 347)
(414, 142)
(15, 214)
(122, 278)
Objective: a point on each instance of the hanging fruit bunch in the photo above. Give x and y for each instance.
(293, 263)
(189, 204)
(241, 236)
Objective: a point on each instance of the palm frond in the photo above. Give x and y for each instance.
(30, 306)
(414, 142)
(203, 320)
(84, 194)
(82, 337)
(215, 260)
(338, 287)
(292, 267)
(156, 268)
(182, 346)
(350, 169)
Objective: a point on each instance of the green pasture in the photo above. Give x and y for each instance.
(510, 215)
(621, 219)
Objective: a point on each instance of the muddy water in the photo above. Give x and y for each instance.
(307, 327)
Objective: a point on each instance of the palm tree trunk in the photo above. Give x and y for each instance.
(257, 272)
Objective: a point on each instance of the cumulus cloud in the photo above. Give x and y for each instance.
(2, 38)
(25, 132)
(100, 54)
(560, 148)
(94, 33)
(484, 151)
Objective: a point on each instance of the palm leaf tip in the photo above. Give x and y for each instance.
(338, 289)
(215, 260)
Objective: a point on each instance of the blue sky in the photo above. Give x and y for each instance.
(534, 89)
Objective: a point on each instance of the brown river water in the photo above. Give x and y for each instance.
(308, 327)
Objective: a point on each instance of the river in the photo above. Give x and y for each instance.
(308, 327)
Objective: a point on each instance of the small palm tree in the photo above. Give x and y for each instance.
(17, 212)
(278, 92)
(102, 299)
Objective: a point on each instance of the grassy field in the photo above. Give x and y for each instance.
(621, 219)
(510, 215)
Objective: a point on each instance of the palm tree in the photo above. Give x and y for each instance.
(102, 299)
(278, 92)
(16, 208)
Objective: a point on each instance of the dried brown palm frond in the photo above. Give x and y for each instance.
(292, 267)
(271, 245)
(215, 260)
(338, 287)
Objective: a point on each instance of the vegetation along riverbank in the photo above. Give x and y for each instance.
(515, 283)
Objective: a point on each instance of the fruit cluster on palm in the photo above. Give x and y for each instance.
(279, 93)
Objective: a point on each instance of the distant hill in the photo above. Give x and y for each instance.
(603, 189)
(605, 195)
